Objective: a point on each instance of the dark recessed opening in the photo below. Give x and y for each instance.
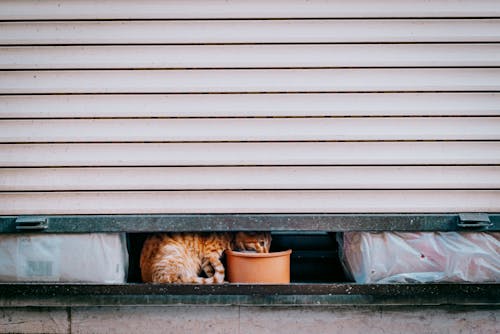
(314, 258)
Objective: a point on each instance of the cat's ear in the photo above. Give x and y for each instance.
(265, 242)
(239, 240)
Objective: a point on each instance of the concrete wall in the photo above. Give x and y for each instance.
(251, 319)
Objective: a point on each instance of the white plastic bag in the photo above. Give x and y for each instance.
(394, 257)
(92, 257)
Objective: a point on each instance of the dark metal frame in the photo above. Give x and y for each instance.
(40, 294)
(249, 222)
(22, 294)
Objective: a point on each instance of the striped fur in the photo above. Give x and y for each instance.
(182, 257)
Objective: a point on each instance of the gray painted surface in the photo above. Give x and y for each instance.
(251, 319)
(34, 320)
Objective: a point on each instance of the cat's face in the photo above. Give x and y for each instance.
(259, 242)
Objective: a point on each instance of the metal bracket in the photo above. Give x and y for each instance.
(474, 220)
(32, 223)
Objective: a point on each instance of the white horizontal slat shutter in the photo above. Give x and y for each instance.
(236, 178)
(249, 105)
(122, 106)
(249, 56)
(253, 129)
(248, 31)
(277, 201)
(249, 81)
(230, 154)
(189, 9)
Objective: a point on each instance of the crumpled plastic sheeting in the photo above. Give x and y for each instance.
(91, 258)
(404, 257)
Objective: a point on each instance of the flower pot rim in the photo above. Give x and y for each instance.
(259, 255)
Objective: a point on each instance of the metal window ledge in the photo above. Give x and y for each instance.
(58, 294)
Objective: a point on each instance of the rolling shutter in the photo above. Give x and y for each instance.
(121, 107)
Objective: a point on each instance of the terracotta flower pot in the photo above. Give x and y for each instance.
(258, 267)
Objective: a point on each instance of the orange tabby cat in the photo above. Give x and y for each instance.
(181, 257)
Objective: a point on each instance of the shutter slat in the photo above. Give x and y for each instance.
(249, 56)
(278, 129)
(205, 154)
(249, 31)
(271, 178)
(214, 81)
(189, 9)
(242, 105)
(343, 201)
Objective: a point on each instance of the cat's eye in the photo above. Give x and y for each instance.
(262, 243)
